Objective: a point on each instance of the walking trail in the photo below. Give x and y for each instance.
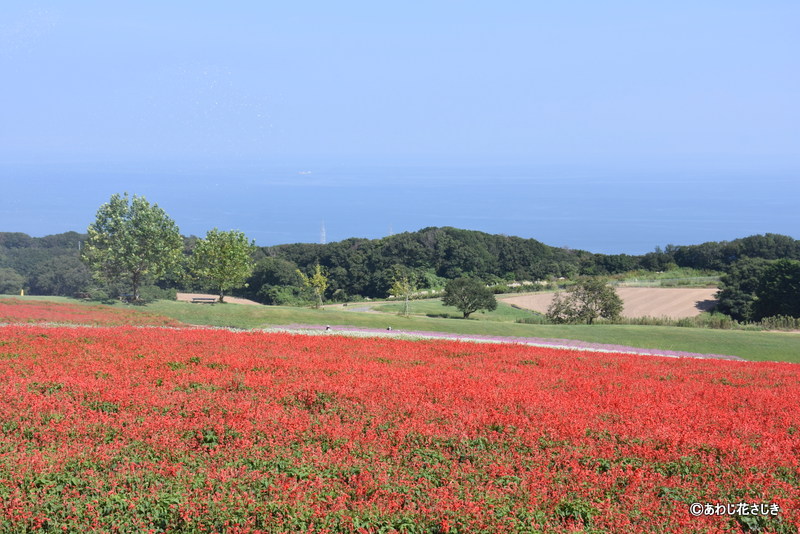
(571, 344)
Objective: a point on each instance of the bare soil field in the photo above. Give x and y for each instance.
(672, 302)
(187, 297)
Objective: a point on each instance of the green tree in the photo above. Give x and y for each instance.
(317, 282)
(403, 286)
(61, 275)
(589, 299)
(223, 260)
(11, 282)
(468, 295)
(778, 292)
(132, 241)
(738, 287)
(275, 281)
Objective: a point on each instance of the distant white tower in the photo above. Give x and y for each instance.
(322, 238)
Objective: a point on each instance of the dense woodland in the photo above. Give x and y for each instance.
(366, 267)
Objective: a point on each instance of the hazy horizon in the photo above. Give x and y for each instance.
(616, 213)
(612, 127)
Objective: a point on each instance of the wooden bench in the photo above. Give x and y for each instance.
(204, 300)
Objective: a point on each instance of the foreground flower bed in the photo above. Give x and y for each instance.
(136, 430)
(41, 311)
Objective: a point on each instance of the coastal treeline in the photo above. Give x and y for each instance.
(358, 267)
(367, 267)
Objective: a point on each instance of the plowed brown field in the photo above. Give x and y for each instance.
(672, 302)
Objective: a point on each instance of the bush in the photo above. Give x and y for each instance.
(282, 296)
(151, 293)
(468, 295)
(536, 318)
(11, 282)
(716, 321)
(780, 322)
(585, 302)
(99, 294)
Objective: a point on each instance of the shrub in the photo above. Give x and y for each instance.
(586, 301)
(468, 295)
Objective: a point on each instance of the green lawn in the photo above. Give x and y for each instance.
(760, 346)
(749, 345)
(435, 308)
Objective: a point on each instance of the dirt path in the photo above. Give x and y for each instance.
(672, 302)
(187, 297)
(352, 307)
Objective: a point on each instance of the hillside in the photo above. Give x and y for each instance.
(358, 267)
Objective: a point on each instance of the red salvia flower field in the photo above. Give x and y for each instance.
(198, 430)
(41, 311)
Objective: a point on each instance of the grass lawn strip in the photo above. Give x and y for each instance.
(569, 344)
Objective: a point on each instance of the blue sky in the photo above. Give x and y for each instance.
(637, 88)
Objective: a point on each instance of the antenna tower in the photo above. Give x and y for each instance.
(322, 238)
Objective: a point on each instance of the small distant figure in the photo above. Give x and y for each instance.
(388, 328)
(327, 327)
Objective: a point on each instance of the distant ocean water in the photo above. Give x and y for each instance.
(600, 211)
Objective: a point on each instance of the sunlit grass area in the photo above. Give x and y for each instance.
(777, 346)
(435, 308)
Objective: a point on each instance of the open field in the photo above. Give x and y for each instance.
(675, 303)
(206, 430)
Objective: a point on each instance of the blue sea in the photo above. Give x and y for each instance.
(609, 211)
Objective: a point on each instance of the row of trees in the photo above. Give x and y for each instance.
(431, 256)
(368, 268)
(133, 242)
(42, 265)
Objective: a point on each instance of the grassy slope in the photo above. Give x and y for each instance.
(434, 307)
(750, 345)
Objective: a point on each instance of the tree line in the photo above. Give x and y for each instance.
(133, 248)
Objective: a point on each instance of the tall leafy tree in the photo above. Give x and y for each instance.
(403, 286)
(132, 241)
(738, 287)
(316, 282)
(11, 282)
(468, 295)
(224, 260)
(778, 291)
(275, 281)
(584, 302)
(60, 275)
